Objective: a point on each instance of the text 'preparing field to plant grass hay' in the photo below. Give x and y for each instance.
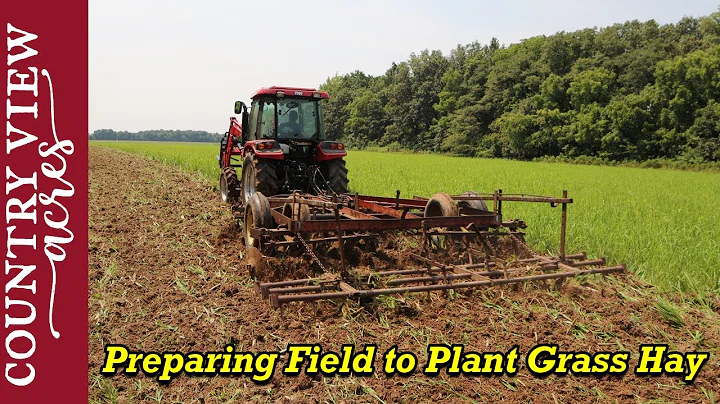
(541, 360)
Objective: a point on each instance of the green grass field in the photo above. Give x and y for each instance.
(664, 224)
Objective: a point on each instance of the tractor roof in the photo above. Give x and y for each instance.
(291, 92)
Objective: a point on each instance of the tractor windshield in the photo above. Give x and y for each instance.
(297, 118)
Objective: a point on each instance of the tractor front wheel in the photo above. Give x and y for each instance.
(335, 173)
(258, 175)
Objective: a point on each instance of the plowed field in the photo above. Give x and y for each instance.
(165, 275)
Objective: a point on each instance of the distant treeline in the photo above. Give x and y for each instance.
(630, 92)
(157, 135)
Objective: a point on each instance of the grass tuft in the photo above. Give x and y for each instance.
(670, 313)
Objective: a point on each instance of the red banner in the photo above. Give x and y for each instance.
(43, 338)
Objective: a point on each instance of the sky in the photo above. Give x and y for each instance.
(181, 64)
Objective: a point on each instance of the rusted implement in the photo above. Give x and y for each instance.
(461, 243)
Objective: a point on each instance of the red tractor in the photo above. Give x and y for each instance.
(280, 145)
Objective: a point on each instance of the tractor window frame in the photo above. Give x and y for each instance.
(321, 121)
(254, 120)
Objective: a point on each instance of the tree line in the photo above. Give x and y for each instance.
(157, 135)
(629, 92)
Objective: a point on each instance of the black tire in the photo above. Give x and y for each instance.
(441, 204)
(296, 211)
(258, 175)
(477, 205)
(229, 185)
(257, 216)
(335, 173)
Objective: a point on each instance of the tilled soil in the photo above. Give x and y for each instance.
(166, 275)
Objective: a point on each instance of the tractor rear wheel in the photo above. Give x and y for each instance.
(229, 185)
(258, 175)
(335, 173)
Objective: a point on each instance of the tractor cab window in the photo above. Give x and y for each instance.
(267, 123)
(297, 118)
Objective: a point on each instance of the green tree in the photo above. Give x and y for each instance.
(591, 86)
(630, 91)
(366, 121)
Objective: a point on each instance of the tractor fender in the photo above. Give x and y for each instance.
(274, 153)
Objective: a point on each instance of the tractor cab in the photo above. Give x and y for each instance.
(281, 142)
(290, 116)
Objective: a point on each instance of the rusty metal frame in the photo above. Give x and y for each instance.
(353, 217)
(278, 297)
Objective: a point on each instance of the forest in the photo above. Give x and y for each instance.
(157, 135)
(634, 91)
